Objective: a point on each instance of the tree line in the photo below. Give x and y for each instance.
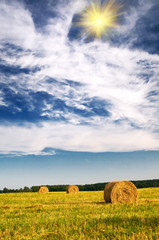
(86, 187)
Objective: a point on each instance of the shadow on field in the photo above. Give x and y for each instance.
(70, 204)
(49, 204)
(132, 222)
(82, 203)
(76, 203)
(149, 201)
(99, 203)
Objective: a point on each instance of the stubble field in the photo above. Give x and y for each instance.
(81, 216)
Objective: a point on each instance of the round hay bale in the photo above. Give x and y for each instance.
(120, 192)
(107, 191)
(43, 190)
(72, 189)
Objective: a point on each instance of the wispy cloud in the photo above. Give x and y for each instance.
(92, 96)
(20, 154)
(106, 137)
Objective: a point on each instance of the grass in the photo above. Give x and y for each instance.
(78, 217)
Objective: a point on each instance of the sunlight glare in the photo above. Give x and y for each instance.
(98, 18)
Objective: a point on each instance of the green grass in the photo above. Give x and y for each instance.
(82, 216)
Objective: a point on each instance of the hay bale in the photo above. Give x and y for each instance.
(43, 190)
(120, 192)
(107, 191)
(72, 189)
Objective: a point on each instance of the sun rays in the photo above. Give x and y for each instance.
(98, 18)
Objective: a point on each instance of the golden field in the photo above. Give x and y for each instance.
(78, 216)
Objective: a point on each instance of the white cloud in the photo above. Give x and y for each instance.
(132, 16)
(17, 26)
(107, 137)
(107, 72)
(9, 153)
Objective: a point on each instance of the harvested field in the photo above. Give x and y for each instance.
(78, 216)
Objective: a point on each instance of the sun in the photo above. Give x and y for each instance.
(98, 18)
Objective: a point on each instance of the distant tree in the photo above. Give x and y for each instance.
(86, 187)
(35, 188)
(5, 190)
(26, 189)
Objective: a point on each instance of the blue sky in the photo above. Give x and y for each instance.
(75, 109)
